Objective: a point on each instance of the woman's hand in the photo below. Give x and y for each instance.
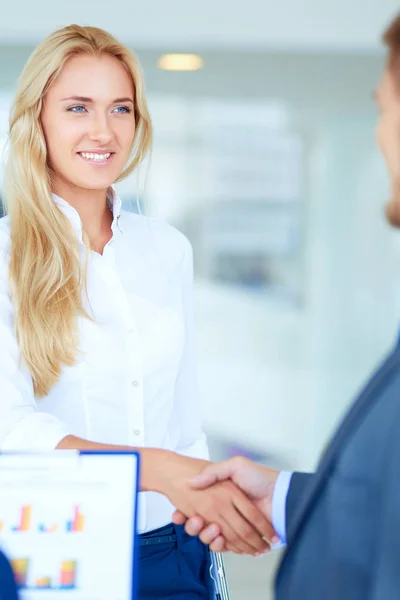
(224, 510)
(243, 526)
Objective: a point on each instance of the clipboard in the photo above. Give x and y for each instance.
(218, 577)
(68, 523)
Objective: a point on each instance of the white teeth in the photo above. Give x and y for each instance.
(95, 156)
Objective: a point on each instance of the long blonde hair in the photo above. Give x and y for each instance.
(45, 272)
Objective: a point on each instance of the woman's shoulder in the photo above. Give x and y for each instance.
(152, 231)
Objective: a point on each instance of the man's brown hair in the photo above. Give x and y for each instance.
(391, 39)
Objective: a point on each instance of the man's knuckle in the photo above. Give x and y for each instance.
(204, 538)
(240, 461)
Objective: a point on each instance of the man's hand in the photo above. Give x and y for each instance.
(256, 481)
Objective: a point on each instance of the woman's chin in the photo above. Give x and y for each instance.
(98, 183)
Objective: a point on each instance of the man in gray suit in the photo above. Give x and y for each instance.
(341, 524)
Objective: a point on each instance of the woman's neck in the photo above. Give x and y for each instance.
(94, 212)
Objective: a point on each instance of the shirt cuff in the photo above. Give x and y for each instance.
(279, 497)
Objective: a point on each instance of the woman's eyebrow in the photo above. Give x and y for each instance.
(90, 100)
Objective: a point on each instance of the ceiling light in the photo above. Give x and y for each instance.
(180, 62)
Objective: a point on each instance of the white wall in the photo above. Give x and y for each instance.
(279, 379)
(298, 24)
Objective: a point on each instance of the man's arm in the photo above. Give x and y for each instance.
(297, 485)
(272, 492)
(385, 581)
(288, 490)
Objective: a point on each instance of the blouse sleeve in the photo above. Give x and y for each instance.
(22, 427)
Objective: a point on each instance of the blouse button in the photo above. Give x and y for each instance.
(137, 432)
(135, 383)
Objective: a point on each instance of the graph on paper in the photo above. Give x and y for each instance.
(64, 580)
(33, 520)
(74, 524)
(62, 526)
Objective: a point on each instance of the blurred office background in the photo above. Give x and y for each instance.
(266, 159)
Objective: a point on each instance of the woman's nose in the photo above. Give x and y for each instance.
(101, 130)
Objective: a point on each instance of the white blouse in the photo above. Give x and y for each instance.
(135, 378)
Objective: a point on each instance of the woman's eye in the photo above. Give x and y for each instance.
(122, 109)
(77, 109)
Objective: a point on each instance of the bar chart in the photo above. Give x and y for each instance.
(68, 575)
(20, 568)
(25, 524)
(42, 528)
(66, 578)
(25, 520)
(77, 523)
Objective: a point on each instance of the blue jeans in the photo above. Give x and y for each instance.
(173, 566)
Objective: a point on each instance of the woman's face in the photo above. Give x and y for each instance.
(388, 127)
(88, 122)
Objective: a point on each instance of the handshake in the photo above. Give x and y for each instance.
(228, 505)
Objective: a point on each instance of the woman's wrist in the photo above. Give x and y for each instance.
(161, 470)
(155, 466)
(164, 470)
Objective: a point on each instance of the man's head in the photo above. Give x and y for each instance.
(388, 128)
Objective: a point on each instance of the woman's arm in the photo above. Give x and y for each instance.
(22, 427)
(157, 466)
(242, 524)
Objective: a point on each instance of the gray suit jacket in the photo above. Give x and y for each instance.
(343, 522)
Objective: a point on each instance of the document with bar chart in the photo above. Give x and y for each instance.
(68, 523)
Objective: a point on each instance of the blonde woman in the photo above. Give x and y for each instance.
(96, 324)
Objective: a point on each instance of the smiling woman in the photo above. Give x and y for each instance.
(65, 105)
(96, 310)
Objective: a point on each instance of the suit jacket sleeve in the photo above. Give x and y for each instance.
(298, 484)
(386, 578)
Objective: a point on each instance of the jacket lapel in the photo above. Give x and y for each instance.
(367, 398)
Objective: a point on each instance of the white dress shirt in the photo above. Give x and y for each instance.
(135, 378)
(279, 499)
